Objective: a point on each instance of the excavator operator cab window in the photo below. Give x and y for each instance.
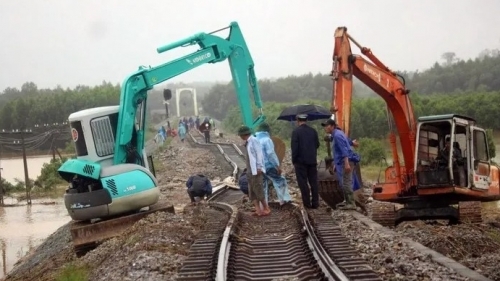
(436, 148)
(481, 156)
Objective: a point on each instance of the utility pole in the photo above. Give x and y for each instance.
(27, 182)
(1, 182)
(26, 176)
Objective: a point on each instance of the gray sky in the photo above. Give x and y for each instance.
(87, 41)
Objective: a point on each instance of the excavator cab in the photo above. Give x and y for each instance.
(451, 152)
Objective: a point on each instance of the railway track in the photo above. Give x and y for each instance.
(289, 243)
(230, 151)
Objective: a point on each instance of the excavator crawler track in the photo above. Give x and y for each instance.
(383, 213)
(87, 236)
(470, 212)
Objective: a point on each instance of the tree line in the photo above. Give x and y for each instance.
(369, 115)
(29, 105)
(469, 87)
(452, 77)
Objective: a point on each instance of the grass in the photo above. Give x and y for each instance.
(371, 172)
(71, 272)
(37, 193)
(493, 234)
(159, 167)
(158, 164)
(53, 193)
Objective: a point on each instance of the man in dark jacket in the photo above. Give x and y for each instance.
(205, 129)
(198, 186)
(305, 144)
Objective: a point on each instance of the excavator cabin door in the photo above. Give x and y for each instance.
(479, 159)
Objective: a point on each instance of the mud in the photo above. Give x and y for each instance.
(156, 246)
(390, 256)
(475, 246)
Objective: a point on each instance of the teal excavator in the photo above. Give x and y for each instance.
(111, 175)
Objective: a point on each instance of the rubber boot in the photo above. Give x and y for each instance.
(350, 204)
(341, 204)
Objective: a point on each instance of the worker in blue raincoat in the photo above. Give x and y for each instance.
(182, 131)
(272, 166)
(345, 160)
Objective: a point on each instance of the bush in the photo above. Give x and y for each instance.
(371, 151)
(49, 177)
(9, 187)
(491, 143)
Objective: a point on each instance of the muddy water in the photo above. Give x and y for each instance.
(25, 227)
(13, 168)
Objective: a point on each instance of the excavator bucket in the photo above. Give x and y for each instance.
(279, 148)
(330, 190)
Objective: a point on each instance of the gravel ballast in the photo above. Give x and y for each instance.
(390, 255)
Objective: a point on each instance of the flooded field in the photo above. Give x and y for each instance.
(25, 227)
(14, 168)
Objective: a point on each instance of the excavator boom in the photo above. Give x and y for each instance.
(383, 82)
(213, 49)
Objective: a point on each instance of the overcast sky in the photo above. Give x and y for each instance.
(71, 42)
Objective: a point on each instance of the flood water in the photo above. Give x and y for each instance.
(25, 227)
(14, 168)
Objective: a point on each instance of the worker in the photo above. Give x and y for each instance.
(243, 182)
(305, 144)
(357, 189)
(198, 186)
(197, 122)
(159, 139)
(206, 131)
(345, 160)
(272, 166)
(212, 122)
(444, 153)
(457, 161)
(182, 131)
(255, 171)
(190, 122)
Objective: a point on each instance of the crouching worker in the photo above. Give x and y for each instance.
(198, 186)
(243, 182)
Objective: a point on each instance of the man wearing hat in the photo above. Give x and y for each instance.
(305, 144)
(272, 165)
(345, 159)
(255, 171)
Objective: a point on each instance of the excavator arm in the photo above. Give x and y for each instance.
(213, 49)
(384, 82)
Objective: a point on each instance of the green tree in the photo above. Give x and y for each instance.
(491, 143)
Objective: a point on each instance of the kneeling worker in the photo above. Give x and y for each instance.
(198, 186)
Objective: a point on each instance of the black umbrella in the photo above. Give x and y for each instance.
(314, 112)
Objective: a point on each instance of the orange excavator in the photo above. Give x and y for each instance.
(446, 170)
